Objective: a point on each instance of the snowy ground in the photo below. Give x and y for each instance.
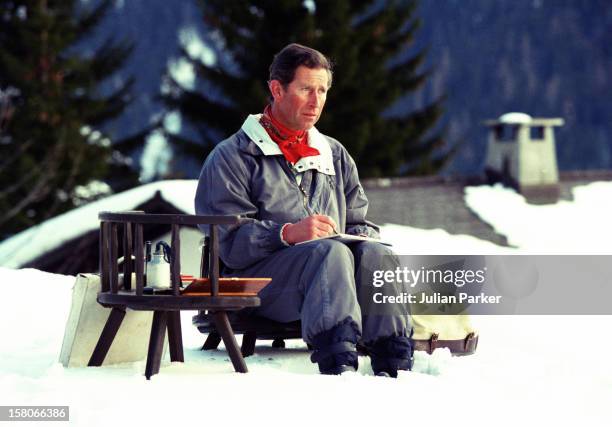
(528, 369)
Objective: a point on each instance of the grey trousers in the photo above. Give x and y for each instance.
(320, 283)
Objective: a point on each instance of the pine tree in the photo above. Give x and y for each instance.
(51, 108)
(367, 41)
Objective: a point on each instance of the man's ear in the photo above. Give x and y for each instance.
(276, 89)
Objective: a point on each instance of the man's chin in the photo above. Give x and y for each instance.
(309, 124)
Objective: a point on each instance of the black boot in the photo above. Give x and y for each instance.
(391, 354)
(335, 350)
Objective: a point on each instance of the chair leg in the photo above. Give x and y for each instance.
(212, 341)
(107, 336)
(248, 343)
(156, 343)
(225, 329)
(278, 343)
(175, 336)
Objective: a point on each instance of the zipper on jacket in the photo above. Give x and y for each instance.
(305, 199)
(305, 196)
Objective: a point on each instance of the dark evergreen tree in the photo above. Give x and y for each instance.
(52, 109)
(367, 40)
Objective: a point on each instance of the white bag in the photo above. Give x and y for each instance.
(86, 321)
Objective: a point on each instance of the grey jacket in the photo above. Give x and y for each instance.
(247, 175)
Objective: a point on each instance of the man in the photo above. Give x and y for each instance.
(296, 184)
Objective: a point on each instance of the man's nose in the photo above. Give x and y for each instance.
(316, 99)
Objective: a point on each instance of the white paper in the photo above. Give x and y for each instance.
(347, 238)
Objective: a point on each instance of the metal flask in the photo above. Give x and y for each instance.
(158, 266)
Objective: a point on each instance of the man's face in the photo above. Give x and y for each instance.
(299, 106)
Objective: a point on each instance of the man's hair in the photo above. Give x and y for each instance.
(291, 57)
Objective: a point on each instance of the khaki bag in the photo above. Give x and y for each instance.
(86, 321)
(455, 332)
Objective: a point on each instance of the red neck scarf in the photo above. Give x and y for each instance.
(292, 143)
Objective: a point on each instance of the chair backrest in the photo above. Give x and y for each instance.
(205, 258)
(131, 224)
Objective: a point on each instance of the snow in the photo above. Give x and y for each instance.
(183, 72)
(173, 122)
(93, 189)
(553, 370)
(415, 241)
(515, 118)
(35, 241)
(196, 48)
(523, 365)
(155, 159)
(581, 226)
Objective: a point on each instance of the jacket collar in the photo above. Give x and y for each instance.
(261, 143)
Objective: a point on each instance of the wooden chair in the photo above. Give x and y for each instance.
(166, 306)
(251, 327)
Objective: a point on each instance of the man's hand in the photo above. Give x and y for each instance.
(309, 228)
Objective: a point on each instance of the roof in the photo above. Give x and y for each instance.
(438, 202)
(519, 121)
(421, 202)
(74, 230)
(427, 203)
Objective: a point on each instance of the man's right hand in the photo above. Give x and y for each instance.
(309, 228)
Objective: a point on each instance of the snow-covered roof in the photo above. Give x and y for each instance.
(516, 118)
(580, 226)
(577, 226)
(30, 244)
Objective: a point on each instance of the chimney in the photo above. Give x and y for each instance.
(521, 154)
